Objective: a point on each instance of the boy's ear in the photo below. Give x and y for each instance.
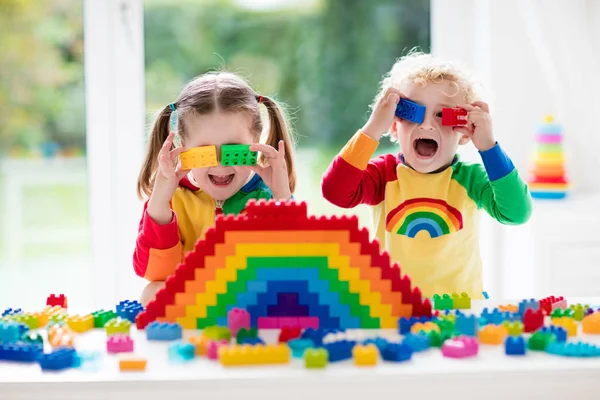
(394, 129)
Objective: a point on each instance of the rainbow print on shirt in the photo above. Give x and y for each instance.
(434, 216)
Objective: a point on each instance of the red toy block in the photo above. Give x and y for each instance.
(54, 300)
(532, 320)
(551, 303)
(454, 116)
(288, 333)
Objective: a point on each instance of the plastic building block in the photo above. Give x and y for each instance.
(201, 344)
(365, 355)
(129, 309)
(540, 340)
(54, 300)
(577, 349)
(199, 157)
(551, 303)
(119, 344)
(568, 324)
(416, 342)
(591, 324)
(230, 356)
(466, 325)
(424, 327)
(237, 154)
(289, 333)
(515, 328)
(315, 358)
(460, 347)
(560, 313)
(410, 111)
(212, 348)
(117, 326)
(405, 324)
(101, 317)
(532, 320)
(443, 302)
(436, 339)
(299, 346)
(133, 364)
(32, 338)
(379, 342)
(511, 308)
(163, 331)
(340, 350)
(251, 341)
(60, 336)
(454, 116)
(461, 301)
(21, 352)
(89, 361)
(57, 360)
(81, 324)
(244, 333)
(560, 334)
(579, 311)
(497, 317)
(525, 304)
(493, 334)
(9, 332)
(182, 352)
(238, 318)
(60, 319)
(397, 352)
(217, 333)
(27, 319)
(515, 346)
(10, 311)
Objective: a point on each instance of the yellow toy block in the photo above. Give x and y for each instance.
(81, 324)
(132, 364)
(199, 157)
(231, 356)
(425, 327)
(42, 319)
(568, 323)
(50, 311)
(188, 322)
(493, 334)
(365, 356)
(591, 324)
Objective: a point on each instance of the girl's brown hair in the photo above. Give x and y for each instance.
(223, 92)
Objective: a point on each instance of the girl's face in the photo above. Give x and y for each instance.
(217, 129)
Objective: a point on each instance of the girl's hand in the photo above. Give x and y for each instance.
(383, 114)
(275, 175)
(479, 125)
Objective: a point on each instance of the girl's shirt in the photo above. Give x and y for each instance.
(160, 248)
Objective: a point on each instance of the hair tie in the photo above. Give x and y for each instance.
(260, 99)
(172, 107)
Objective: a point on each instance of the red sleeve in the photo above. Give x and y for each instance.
(158, 248)
(353, 179)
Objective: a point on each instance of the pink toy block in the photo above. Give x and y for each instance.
(460, 347)
(238, 318)
(308, 322)
(119, 344)
(212, 348)
(268, 323)
(287, 321)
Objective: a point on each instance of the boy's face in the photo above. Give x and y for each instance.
(429, 146)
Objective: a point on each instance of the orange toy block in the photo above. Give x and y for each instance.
(133, 364)
(236, 355)
(568, 323)
(365, 356)
(591, 324)
(509, 307)
(201, 343)
(493, 334)
(199, 157)
(60, 336)
(425, 327)
(81, 324)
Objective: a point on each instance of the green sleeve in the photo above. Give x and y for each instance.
(506, 199)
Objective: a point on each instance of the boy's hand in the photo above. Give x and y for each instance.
(383, 114)
(275, 175)
(479, 125)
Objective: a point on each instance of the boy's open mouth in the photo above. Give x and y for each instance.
(425, 147)
(221, 180)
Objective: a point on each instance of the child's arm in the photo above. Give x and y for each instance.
(158, 248)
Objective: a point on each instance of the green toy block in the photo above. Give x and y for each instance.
(437, 339)
(28, 320)
(32, 337)
(579, 311)
(559, 313)
(446, 326)
(244, 333)
(217, 333)
(539, 341)
(101, 317)
(237, 154)
(515, 328)
(316, 358)
(117, 325)
(443, 302)
(59, 318)
(461, 301)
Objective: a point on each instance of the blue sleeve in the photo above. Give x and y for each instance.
(497, 164)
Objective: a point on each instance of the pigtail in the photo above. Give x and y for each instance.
(279, 130)
(158, 135)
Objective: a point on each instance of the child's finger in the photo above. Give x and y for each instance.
(482, 105)
(267, 150)
(176, 152)
(166, 147)
(281, 149)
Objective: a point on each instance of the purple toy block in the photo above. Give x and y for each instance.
(460, 347)
(119, 344)
(238, 318)
(212, 348)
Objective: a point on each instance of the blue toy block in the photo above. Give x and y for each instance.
(380, 342)
(298, 346)
(515, 346)
(560, 333)
(395, 352)
(416, 342)
(181, 352)
(548, 195)
(59, 359)
(577, 349)
(410, 111)
(22, 352)
(129, 309)
(466, 325)
(163, 331)
(525, 304)
(497, 317)
(10, 332)
(88, 361)
(340, 350)
(10, 311)
(404, 325)
(317, 335)
(485, 295)
(251, 341)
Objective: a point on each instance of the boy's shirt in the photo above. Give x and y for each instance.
(160, 248)
(429, 223)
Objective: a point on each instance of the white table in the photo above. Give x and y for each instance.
(490, 375)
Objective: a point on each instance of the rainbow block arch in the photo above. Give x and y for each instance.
(286, 269)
